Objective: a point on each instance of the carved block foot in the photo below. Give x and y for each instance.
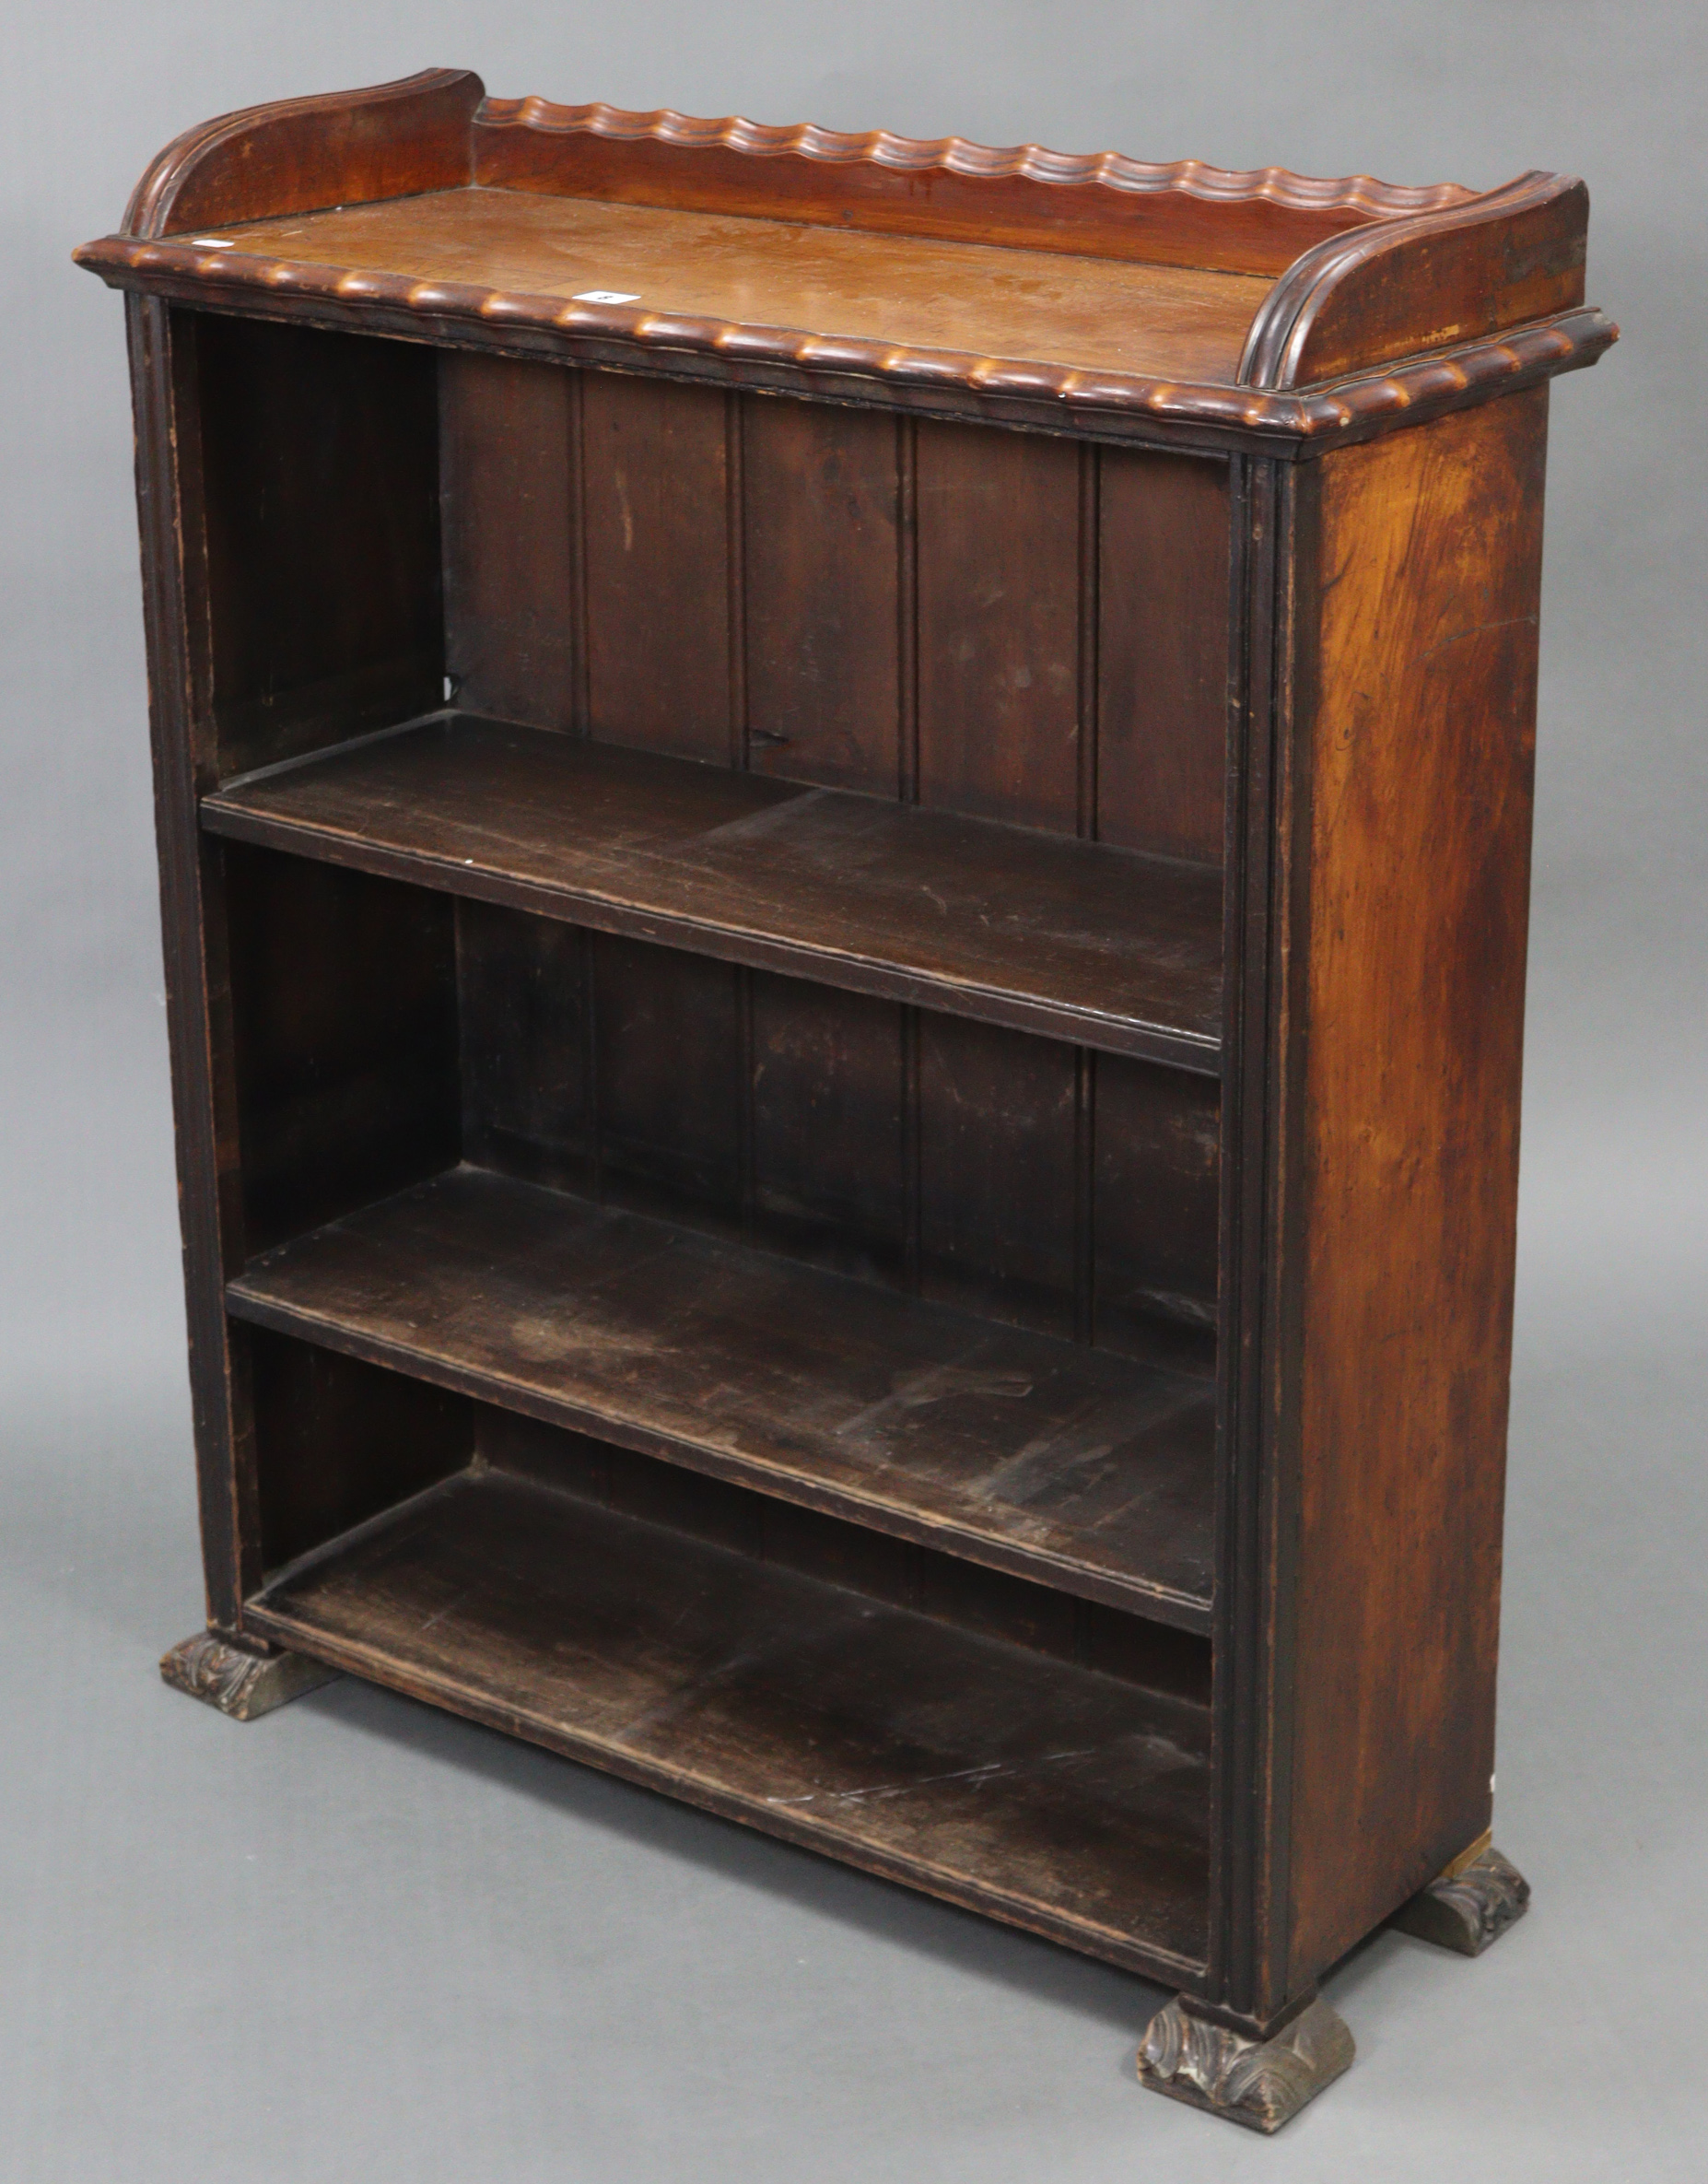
(1261, 2084)
(242, 1683)
(1470, 1908)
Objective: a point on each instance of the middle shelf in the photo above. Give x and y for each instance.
(1036, 1455)
(1109, 947)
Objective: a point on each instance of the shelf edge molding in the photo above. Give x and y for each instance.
(690, 903)
(1391, 303)
(422, 1284)
(348, 1605)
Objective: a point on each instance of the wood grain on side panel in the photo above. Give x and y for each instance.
(343, 1004)
(320, 473)
(998, 625)
(1423, 559)
(655, 498)
(507, 471)
(336, 1440)
(822, 542)
(1162, 653)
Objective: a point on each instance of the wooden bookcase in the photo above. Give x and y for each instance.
(845, 836)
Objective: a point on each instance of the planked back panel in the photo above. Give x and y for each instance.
(1011, 626)
(1015, 1176)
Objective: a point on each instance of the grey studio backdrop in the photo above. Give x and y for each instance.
(362, 1940)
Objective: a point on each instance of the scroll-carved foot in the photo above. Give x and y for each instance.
(239, 1680)
(1261, 2084)
(1470, 1905)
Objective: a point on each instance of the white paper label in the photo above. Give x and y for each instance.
(604, 295)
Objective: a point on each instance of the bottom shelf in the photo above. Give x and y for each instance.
(1053, 1796)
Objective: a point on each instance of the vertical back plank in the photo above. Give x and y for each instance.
(822, 515)
(827, 1091)
(507, 475)
(655, 489)
(998, 625)
(996, 1171)
(1162, 653)
(667, 1051)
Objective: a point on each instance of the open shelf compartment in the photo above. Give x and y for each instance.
(1080, 940)
(1037, 1456)
(1056, 1797)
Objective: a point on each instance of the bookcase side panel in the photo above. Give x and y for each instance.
(344, 1037)
(1419, 585)
(165, 394)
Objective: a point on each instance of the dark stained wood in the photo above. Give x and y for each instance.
(1117, 407)
(166, 399)
(239, 1679)
(1040, 1792)
(1036, 1455)
(344, 1037)
(1101, 205)
(828, 1083)
(957, 299)
(668, 1075)
(654, 503)
(336, 1441)
(1422, 559)
(343, 147)
(1471, 1904)
(996, 1160)
(1097, 944)
(1172, 1662)
(921, 1077)
(525, 1004)
(509, 480)
(1260, 2082)
(1057, 327)
(823, 564)
(1439, 280)
(1157, 1168)
(319, 507)
(999, 592)
(1162, 653)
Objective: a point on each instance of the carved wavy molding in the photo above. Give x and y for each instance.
(1000, 388)
(954, 155)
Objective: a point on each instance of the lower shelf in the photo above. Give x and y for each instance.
(1052, 1796)
(1068, 1465)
